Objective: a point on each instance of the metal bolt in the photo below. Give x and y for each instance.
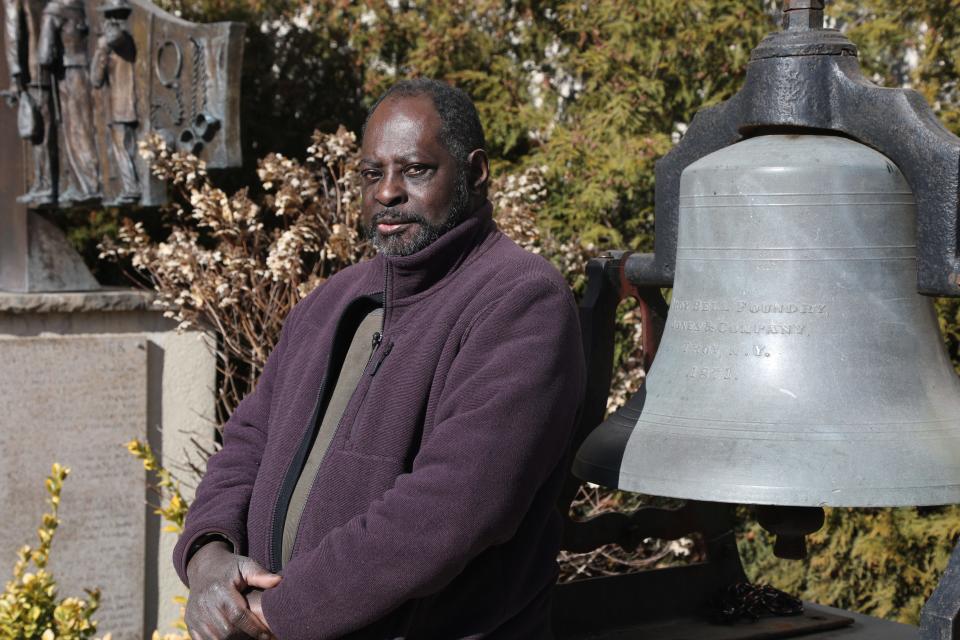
(803, 15)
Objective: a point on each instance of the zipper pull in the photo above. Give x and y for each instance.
(377, 339)
(383, 356)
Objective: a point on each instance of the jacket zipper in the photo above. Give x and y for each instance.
(386, 296)
(296, 465)
(378, 335)
(383, 356)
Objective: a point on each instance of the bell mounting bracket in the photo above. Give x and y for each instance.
(807, 79)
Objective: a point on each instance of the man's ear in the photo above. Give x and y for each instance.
(478, 170)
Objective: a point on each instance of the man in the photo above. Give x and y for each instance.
(113, 70)
(398, 477)
(62, 52)
(30, 88)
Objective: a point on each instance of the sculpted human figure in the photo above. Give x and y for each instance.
(113, 71)
(30, 93)
(62, 52)
(395, 473)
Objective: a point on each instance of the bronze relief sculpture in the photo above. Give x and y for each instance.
(90, 79)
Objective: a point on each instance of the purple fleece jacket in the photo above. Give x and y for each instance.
(433, 514)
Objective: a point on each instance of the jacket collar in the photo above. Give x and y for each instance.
(419, 272)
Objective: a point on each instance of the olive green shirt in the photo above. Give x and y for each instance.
(358, 354)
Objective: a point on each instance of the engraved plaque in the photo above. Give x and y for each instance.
(77, 400)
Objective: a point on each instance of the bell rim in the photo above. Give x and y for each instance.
(735, 493)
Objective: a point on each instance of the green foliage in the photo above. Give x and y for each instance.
(914, 43)
(594, 91)
(884, 562)
(173, 507)
(84, 229)
(948, 312)
(641, 70)
(29, 607)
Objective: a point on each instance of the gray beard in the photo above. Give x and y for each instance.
(425, 233)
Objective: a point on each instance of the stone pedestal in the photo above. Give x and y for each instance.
(82, 374)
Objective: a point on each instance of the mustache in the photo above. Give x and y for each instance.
(396, 217)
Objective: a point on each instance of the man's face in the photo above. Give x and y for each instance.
(413, 189)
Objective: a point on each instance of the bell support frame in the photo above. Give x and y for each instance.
(807, 79)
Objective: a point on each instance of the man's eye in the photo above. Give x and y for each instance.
(416, 170)
(370, 174)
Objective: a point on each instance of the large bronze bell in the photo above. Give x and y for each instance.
(799, 365)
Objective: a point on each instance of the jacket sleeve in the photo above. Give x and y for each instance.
(220, 505)
(503, 423)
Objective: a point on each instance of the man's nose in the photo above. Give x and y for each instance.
(390, 191)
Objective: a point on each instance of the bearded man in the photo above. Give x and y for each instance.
(396, 471)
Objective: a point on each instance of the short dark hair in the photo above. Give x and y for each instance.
(461, 131)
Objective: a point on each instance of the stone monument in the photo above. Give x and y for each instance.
(82, 374)
(84, 369)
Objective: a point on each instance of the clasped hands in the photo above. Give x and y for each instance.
(225, 592)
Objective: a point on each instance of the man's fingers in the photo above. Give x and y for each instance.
(207, 632)
(255, 604)
(207, 625)
(251, 625)
(254, 575)
(216, 608)
(243, 620)
(263, 581)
